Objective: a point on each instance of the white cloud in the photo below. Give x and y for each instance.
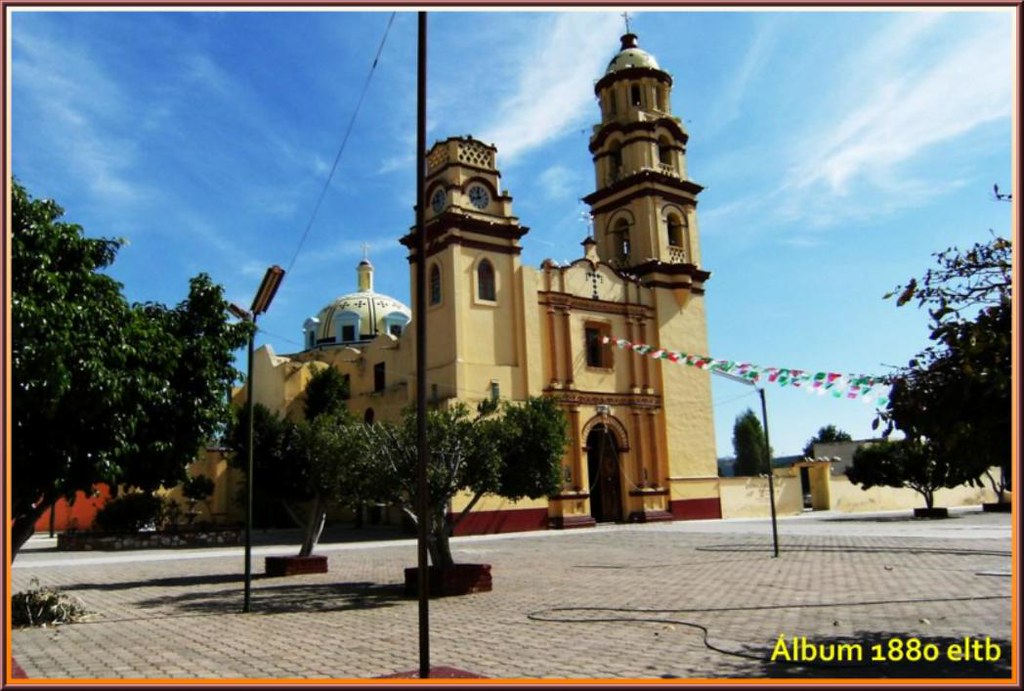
(558, 182)
(910, 111)
(71, 103)
(731, 97)
(554, 88)
(924, 82)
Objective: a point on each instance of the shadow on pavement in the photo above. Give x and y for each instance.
(282, 599)
(172, 582)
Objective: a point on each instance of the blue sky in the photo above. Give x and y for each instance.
(838, 150)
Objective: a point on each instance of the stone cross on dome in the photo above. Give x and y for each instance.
(625, 17)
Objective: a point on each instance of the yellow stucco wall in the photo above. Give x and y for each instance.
(221, 506)
(847, 496)
(747, 497)
(686, 391)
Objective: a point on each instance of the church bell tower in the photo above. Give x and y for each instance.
(644, 205)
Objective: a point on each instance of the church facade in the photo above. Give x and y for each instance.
(642, 434)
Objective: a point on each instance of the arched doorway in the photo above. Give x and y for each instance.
(603, 473)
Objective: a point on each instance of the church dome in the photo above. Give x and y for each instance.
(631, 56)
(359, 317)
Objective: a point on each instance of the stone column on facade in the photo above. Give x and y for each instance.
(632, 359)
(556, 381)
(659, 461)
(638, 445)
(577, 447)
(645, 366)
(567, 347)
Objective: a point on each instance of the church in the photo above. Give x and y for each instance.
(642, 435)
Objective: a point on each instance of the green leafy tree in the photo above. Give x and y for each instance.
(957, 392)
(829, 434)
(748, 443)
(103, 391)
(516, 455)
(279, 483)
(912, 463)
(326, 393)
(314, 463)
(332, 449)
(533, 441)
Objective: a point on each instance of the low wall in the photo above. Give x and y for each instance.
(848, 497)
(85, 541)
(747, 497)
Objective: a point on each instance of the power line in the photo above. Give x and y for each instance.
(344, 141)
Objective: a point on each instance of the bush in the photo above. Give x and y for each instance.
(44, 606)
(197, 488)
(130, 513)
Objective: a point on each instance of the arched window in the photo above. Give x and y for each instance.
(435, 285)
(664, 151)
(612, 107)
(676, 227)
(634, 92)
(615, 162)
(621, 238)
(485, 281)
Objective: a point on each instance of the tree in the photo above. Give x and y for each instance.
(748, 442)
(326, 393)
(913, 463)
(280, 482)
(956, 393)
(516, 455)
(331, 449)
(828, 434)
(318, 461)
(103, 391)
(533, 441)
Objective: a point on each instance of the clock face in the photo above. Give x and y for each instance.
(438, 200)
(479, 197)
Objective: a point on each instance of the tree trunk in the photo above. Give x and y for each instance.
(929, 500)
(465, 511)
(317, 518)
(24, 526)
(441, 556)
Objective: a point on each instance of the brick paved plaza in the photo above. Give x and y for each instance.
(684, 600)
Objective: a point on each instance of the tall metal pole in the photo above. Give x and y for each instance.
(771, 482)
(421, 347)
(248, 472)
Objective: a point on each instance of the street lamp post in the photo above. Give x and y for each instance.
(767, 450)
(265, 294)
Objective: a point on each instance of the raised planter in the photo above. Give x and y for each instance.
(293, 566)
(937, 512)
(997, 507)
(460, 579)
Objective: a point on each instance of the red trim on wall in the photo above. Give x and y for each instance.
(509, 521)
(78, 515)
(689, 509)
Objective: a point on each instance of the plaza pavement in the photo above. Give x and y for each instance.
(673, 601)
